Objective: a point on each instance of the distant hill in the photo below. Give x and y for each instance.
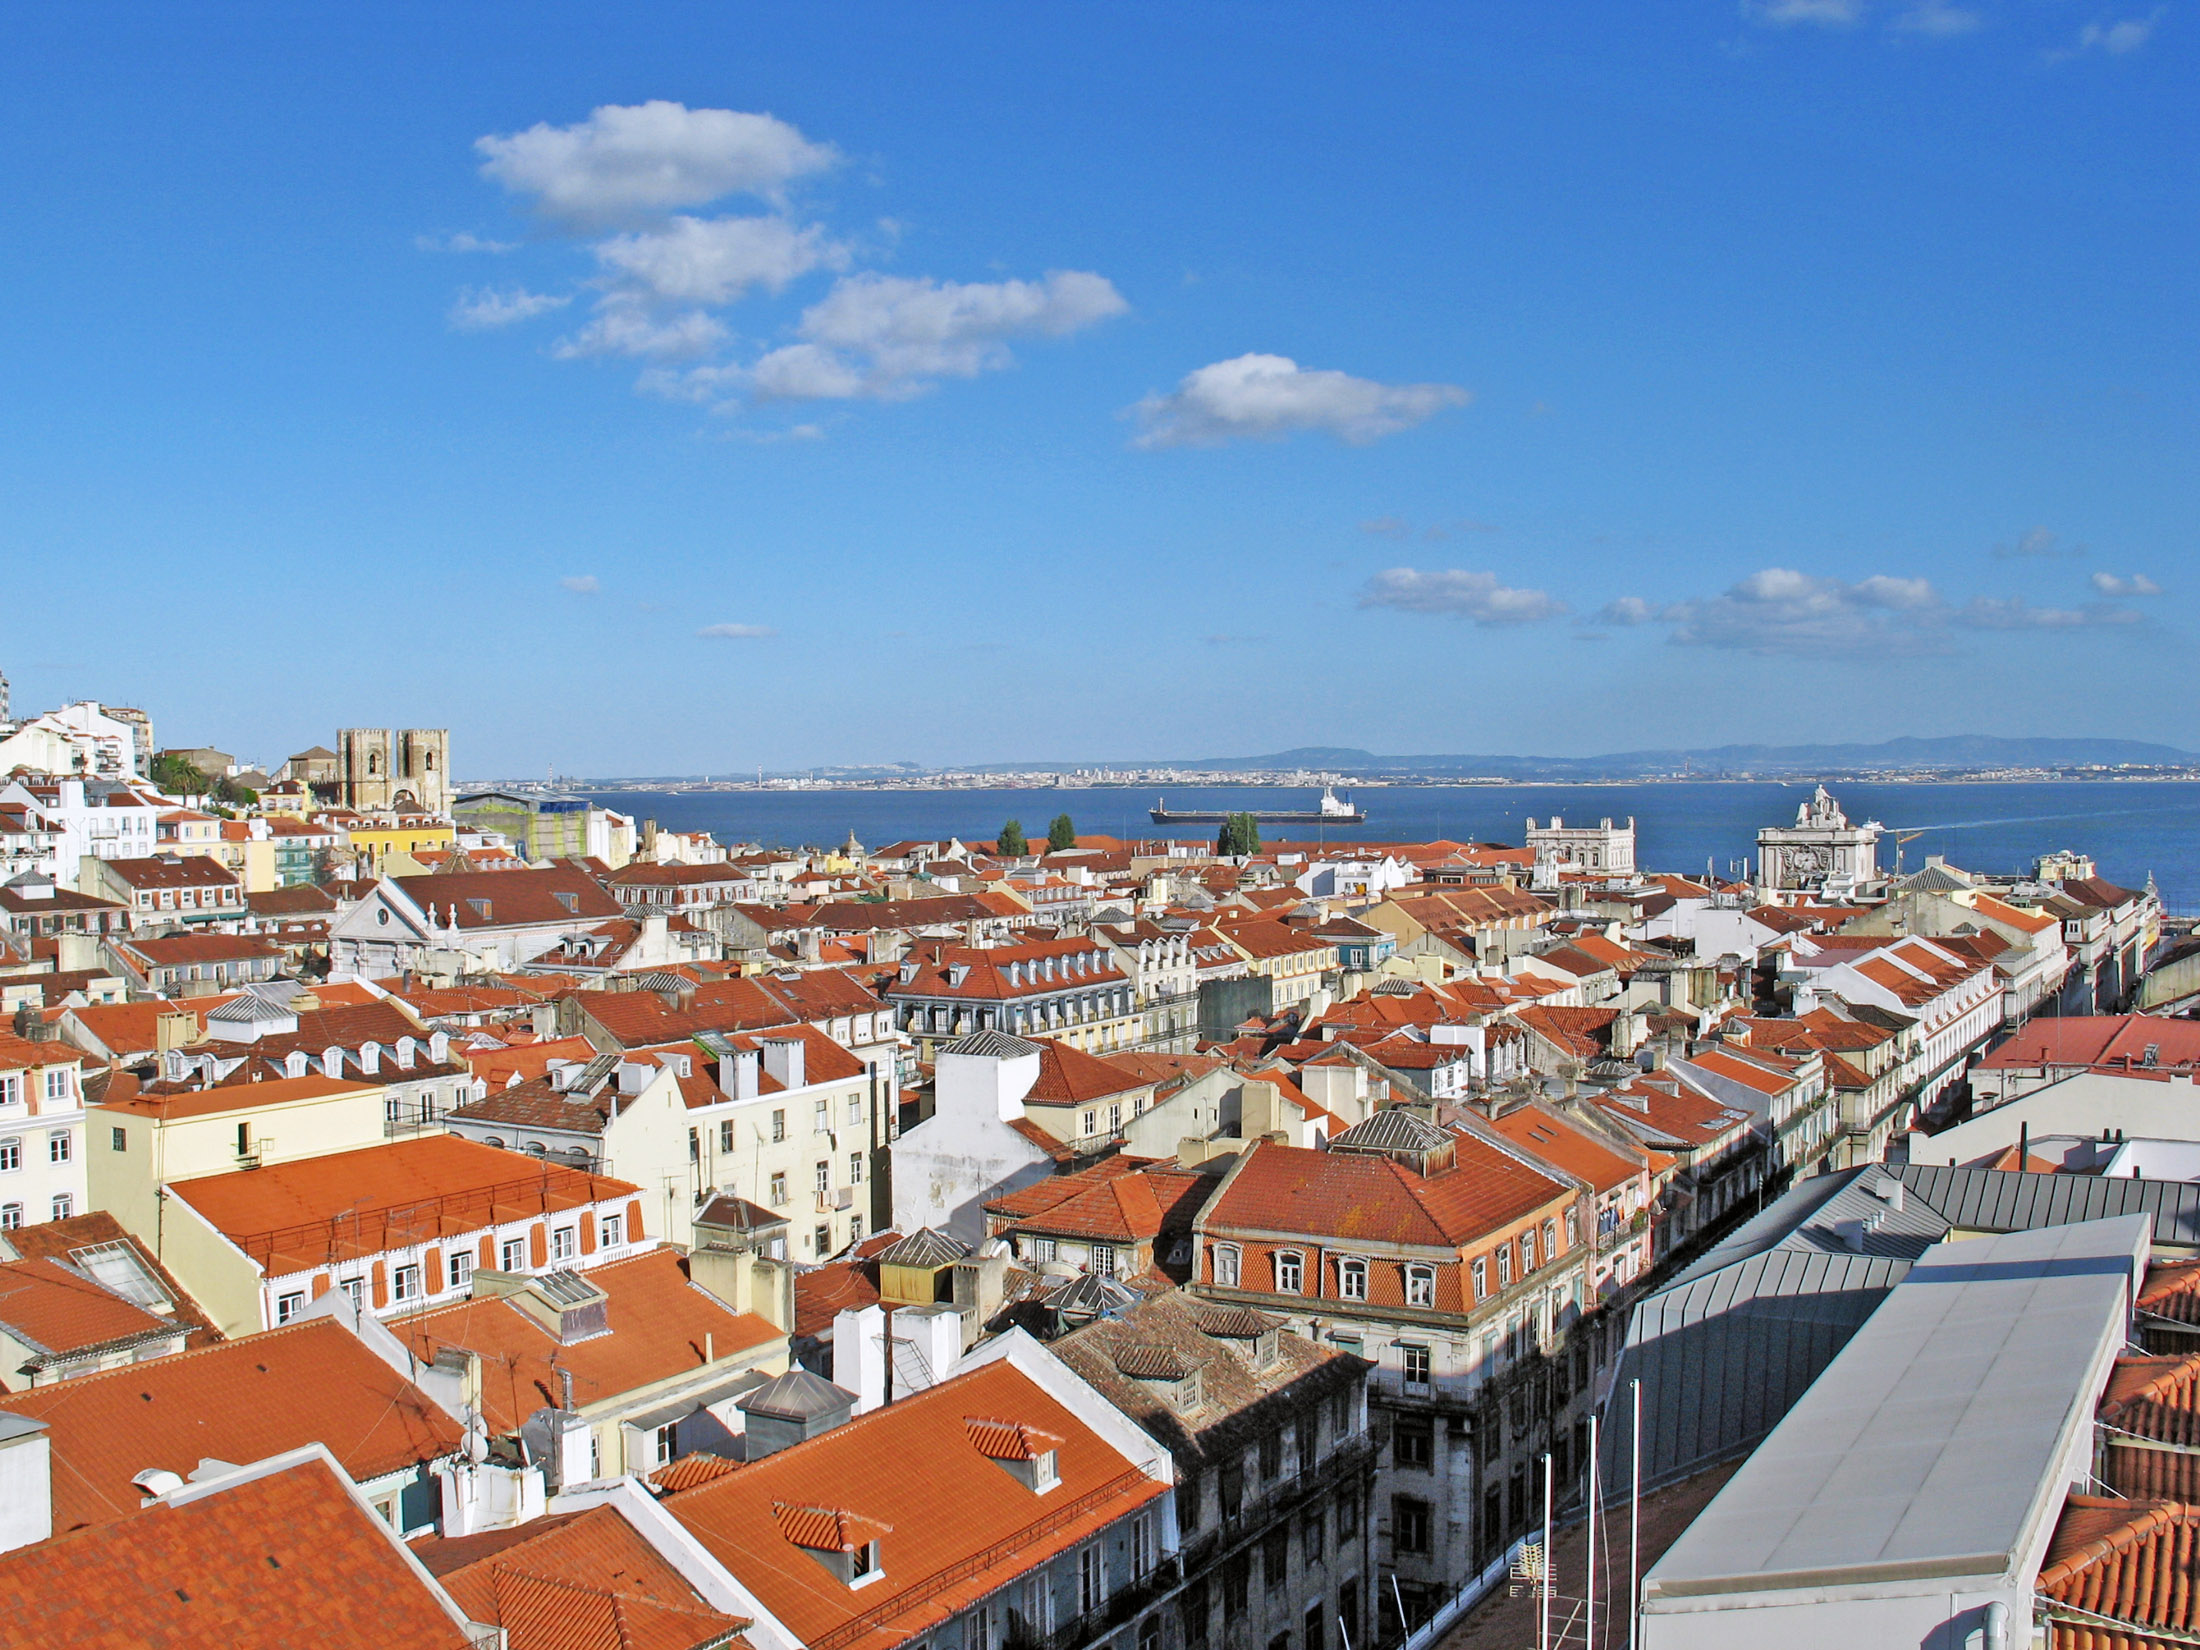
(1968, 751)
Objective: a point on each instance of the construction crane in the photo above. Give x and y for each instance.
(1901, 837)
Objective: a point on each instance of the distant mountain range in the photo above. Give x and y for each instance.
(1969, 752)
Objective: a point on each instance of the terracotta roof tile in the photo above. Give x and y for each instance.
(272, 1563)
(1290, 1189)
(53, 1309)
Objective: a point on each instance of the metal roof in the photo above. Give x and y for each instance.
(1937, 1444)
(797, 1395)
(992, 1045)
(1393, 1129)
(926, 1246)
(2003, 1200)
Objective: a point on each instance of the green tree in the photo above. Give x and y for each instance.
(1061, 834)
(1010, 843)
(1240, 835)
(171, 773)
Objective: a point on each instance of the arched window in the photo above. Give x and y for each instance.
(493, 1140)
(1421, 1285)
(1352, 1280)
(1290, 1272)
(1226, 1265)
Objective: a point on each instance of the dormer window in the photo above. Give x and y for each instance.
(1290, 1273)
(1025, 1453)
(1226, 1265)
(863, 1564)
(1352, 1280)
(1421, 1285)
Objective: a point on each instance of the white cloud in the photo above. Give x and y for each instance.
(1626, 610)
(634, 159)
(462, 242)
(1938, 19)
(2036, 542)
(1782, 611)
(2108, 584)
(1461, 594)
(889, 336)
(1824, 14)
(623, 326)
(2117, 38)
(582, 584)
(716, 260)
(481, 309)
(1993, 613)
(737, 632)
(1267, 397)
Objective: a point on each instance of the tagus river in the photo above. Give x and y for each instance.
(2130, 828)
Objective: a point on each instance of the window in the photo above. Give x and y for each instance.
(355, 1291)
(821, 1118)
(667, 1442)
(613, 1230)
(1141, 1545)
(822, 1241)
(1195, 1610)
(57, 1084)
(778, 1192)
(1271, 1456)
(1313, 1639)
(1149, 1633)
(11, 1155)
(855, 1228)
(1505, 1267)
(1409, 1524)
(1091, 1577)
(1226, 1265)
(405, 1284)
(461, 1269)
(855, 1111)
(1313, 1534)
(11, 1216)
(120, 1139)
(1290, 1273)
(1414, 1361)
(1275, 1558)
(1413, 1442)
(1421, 1286)
(725, 1135)
(1237, 1584)
(1550, 1241)
(779, 1126)
(288, 1307)
(59, 1145)
(1348, 1515)
(1038, 1609)
(512, 1256)
(63, 1206)
(824, 1178)
(1103, 1260)
(1089, 1123)
(1042, 1248)
(855, 1168)
(564, 1243)
(1352, 1280)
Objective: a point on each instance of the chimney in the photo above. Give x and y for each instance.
(737, 1073)
(859, 1355)
(783, 1059)
(26, 1467)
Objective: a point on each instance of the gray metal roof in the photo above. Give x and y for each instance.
(797, 1395)
(926, 1246)
(1937, 1443)
(995, 1045)
(1392, 1129)
(2003, 1200)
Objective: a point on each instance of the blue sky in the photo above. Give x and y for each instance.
(679, 389)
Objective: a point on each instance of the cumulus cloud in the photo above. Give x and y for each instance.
(737, 632)
(1938, 20)
(2108, 584)
(1993, 613)
(1460, 594)
(623, 326)
(1781, 611)
(462, 242)
(582, 584)
(1626, 610)
(1824, 14)
(2120, 36)
(890, 336)
(483, 309)
(2036, 542)
(1267, 397)
(715, 260)
(634, 159)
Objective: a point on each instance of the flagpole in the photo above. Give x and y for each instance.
(1634, 1522)
(1589, 1639)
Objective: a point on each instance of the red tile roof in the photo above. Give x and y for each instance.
(2131, 1561)
(1350, 1195)
(659, 1322)
(395, 1194)
(1071, 1077)
(933, 1566)
(512, 899)
(55, 1310)
(272, 1563)
(242, 1400)
(1557, 1141)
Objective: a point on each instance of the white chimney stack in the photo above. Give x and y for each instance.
(783, 1059)
(859, 1355)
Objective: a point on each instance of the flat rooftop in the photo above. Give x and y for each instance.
(1935, 1443)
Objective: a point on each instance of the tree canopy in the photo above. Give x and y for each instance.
(1010, 842)
(1240, 835)
(1061, 834)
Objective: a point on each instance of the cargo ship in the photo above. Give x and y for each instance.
(1329, 811)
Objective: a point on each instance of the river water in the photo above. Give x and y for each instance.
(2130, 828)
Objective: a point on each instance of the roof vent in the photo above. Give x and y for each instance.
(157, 1481)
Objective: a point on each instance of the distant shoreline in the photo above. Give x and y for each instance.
(936, 785)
